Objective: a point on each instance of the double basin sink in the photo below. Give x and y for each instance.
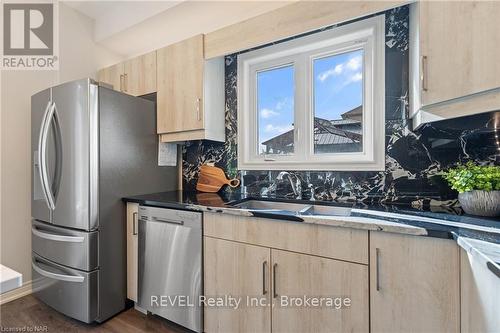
(293, 208)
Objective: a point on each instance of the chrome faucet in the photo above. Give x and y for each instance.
(296, 184)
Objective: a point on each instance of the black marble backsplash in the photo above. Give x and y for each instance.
(414, 159)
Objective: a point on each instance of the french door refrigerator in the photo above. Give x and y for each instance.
(90, 147)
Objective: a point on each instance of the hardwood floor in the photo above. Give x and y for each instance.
(28, 314)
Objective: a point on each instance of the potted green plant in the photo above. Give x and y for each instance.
(478, 188)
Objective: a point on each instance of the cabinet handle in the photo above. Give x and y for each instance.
(125, 82)
(377, 265)
(275, 270)
(493, 268)
(423, 76)
(264, 266)
(121, 82)
(198, 108)
(134, 223)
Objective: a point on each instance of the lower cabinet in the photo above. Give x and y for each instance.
(283, 291)
(414, 284)
(238, 270)
(132, 250)
(341, 286)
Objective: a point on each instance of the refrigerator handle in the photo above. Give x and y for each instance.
(40, 143)
(56, 182)
(56, 276)
(58, 238)
(43, 157)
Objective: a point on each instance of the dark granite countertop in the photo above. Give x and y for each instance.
(439, 222)
(479, 236)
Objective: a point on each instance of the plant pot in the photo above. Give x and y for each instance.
(482, 203)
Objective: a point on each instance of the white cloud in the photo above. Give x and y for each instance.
(270, 128)
(356, 77)
(284, 103)
(337, 70)
(268, 113)
(353, 64)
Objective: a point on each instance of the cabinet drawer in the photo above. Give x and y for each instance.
(75, 249)
(332, 242)
(69, 291)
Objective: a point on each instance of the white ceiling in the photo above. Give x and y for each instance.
(112, 17)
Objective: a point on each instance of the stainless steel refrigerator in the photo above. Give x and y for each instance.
(90, 147)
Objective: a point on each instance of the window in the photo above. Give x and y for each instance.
(315, 102)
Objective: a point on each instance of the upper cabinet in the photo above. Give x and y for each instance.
(112, 75)
(190, 96)
(140, 75)
(136, 76)
(455, 47)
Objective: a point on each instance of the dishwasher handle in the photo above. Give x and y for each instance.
(158, 219)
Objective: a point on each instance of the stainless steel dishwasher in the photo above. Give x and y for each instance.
(170, 265)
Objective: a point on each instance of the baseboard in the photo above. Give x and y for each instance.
(11, 295)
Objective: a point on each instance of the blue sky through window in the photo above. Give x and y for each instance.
(275, 90)
(338, 88)
(338, 84)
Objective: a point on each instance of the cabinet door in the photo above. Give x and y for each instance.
(239, 270)
(132, 248)
(140, 75)
(112, 75)
(299, 275)
(480, 296)
(460, 43)
(414, 283)
(180, 86)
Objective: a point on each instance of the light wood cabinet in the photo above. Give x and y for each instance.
(298, 275)
(112, 75)
(132, 250)
(140, 75)
(455, 47)
(136, 76)
(180, 78)
(278, 280)
(480, 295)
(336, 243)
(190, 98)
(239, 270)
(414, 283)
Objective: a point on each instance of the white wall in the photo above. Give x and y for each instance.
(79, 57)
(185, 20)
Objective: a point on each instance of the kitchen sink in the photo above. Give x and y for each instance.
(327, 210)
(272, 205)
(297, 208)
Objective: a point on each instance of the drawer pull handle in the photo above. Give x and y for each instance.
(55, 276)
(424, 74)
(377, 254)
(198, 109)
(57, 238)
(275, 271)
(135, 221)
(264, 268)
(493, 268)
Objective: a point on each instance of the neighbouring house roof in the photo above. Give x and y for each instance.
(327, 132)
(354, 114)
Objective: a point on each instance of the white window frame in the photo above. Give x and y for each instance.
(368, 35)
